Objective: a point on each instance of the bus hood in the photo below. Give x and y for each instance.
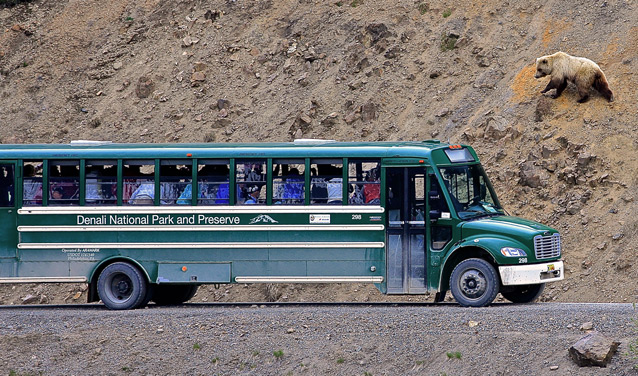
(512, 227)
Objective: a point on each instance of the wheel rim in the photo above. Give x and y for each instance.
(473, 284)
(120, 287)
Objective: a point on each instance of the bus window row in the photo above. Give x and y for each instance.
(288, 182)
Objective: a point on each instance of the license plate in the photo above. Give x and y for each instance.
(551, 268)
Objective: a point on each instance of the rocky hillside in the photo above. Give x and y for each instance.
(261, 70)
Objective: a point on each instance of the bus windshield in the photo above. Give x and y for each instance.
(470, 193)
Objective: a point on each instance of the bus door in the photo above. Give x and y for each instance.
(8, 219)
(405, 205)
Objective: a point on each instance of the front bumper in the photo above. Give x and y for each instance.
(532, 273)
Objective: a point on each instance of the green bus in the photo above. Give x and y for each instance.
(152, 222)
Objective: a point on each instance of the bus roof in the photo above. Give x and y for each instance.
(296, 149)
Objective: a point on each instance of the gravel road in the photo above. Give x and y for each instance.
(313, 340)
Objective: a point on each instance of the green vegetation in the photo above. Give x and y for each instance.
(367, 374)
(423, 8)
(447, 13)
(255, 353)
(448, 42)
(454, 355)
(197, 346)
(341, 361)
(278, 354)
(339, 3)
(215, 360)
(356, 3)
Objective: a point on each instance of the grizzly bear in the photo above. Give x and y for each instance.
(583, 72)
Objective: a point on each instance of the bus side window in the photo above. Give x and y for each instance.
(326, 181)
(175, 177)
(364, 179)
(138, 186)
(213, 177)
(100, 183)
(288, 182)
(7, 186)
(251, 182)
(64, 183)
(32, 183)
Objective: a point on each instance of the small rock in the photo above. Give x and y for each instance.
(587, 326)
(77, 295)
(17, 27)
(222, 104)
(223, 113)
(199, 66)
(442, 112)
(198, 77)
(144, 87)
(117, 65)
(29, 299)
(187, 41)
(212, 14)
(290, 330)
(618, 236)
(472, 324)
(594, 349)
(553, 368)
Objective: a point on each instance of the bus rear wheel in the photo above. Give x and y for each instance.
(474, 283)
(173, 294)
(523, 293)
(122, 286)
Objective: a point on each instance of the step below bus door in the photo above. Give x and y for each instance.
(405, 204)
(8, 221)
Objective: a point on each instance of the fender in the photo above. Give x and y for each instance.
(113, 259)
(487, 248)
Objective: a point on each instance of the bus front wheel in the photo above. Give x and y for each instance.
(524, 293)
(122, 286)
(474, 283)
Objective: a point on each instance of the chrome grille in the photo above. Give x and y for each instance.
(547, 246)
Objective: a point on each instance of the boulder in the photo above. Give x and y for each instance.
(594, 349)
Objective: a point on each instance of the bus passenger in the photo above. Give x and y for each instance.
(57, 196)
(293, 188)
(32, 187)
(6, 185)
(253, 195)
(92, 188)
(372, 190)
(334, 185)
(144, 194)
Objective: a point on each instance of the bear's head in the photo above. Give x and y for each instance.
(543, 66)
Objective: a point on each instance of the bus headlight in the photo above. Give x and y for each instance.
(513, 252)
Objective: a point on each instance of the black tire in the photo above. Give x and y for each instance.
(523, 293)
(122, 286)
(173, 294)
(474, 283)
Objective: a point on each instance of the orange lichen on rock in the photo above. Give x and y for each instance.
(525, 86)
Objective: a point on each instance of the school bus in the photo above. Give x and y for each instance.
(152, 222)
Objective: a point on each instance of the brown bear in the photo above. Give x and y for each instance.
(583, 72)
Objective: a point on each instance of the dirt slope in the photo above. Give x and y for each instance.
(242, 70)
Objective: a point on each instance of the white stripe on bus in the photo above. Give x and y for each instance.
(202, 245)
(179, 209)
(43, 280)
(202, 228)
(291, 279)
